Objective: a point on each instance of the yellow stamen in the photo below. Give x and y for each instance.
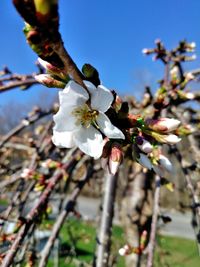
(85, 116)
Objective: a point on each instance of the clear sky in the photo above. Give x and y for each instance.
(108, 34)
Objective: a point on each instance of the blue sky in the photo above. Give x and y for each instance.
(108, 34)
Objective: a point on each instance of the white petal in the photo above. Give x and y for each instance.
(158, 170)
(64, 120)
(90, 141)
(172, 139)
(90, 86)
(165, 163)
(144, 161)
(102, 99)
(71, 97)
(108, 128)
(63, 139)
(113, 166)
(74, 91)
(122, 252)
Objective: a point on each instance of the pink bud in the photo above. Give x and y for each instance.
(115, 158)
(49, 81)
(52, 69)
(116, 152)
(164, 125)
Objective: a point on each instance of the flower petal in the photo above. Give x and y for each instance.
(71, 97)
(108, 128)
(144, 161)
(90, 141)
(64, 120)
(101, 99)
(63, 139)
(73, 90)
(90, 86)
(165, 163)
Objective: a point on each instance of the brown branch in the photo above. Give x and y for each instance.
(12, 85)
(23, 124)
(61, 218)
(105, 231)
(35, 211)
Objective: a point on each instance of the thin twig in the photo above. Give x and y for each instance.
(61, 218)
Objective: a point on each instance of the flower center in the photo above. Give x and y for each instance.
(85, 116)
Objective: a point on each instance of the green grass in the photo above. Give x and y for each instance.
(176, 252)
(78, 240)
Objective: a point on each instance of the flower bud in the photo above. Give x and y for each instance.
(189, 76)
(125, 250)
(144, 161)
(164, 125)
(147, 51)
(174, 72)
(166, 138)
(158, 170)
(26, 173)
(144, 145)
(122, 252)
(115, 158)
(190, 47)
(191, 58)
(49, 81)
(186, 95)
(44, 6)
(51, 69)
(165, 163)
(118, 103)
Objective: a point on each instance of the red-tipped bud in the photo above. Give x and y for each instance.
(163, 125)
(49, 81)
(115, 158)
(51, 69)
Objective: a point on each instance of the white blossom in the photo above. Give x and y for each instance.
(78, 123)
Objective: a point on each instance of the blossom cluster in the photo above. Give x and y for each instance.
(85, 120)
